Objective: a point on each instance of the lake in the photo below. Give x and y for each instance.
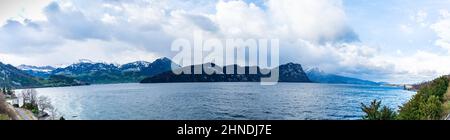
(217, 101)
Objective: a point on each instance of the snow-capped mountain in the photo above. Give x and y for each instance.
(134, 66)
(10, 76)
(158, 66)
(36, 68)
(94, 72)
(85, 68)
(38, 71)
(85, 61)
(86, 71)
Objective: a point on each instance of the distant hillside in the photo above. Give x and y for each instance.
(42, 72)
(432, 101)
(416, 87)
(146, 69)
(319, 76)
(10, 76)
(61, 81)
(91, 72)
(36, 68)
(288, 73)
(102, 73)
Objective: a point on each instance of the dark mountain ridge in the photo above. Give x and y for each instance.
(158, 71)
(212, 73)
(319, 76)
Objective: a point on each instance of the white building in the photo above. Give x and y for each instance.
(12, 100)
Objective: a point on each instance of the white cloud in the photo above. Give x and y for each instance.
(314, 20)
(138, 21)
(442, 30)
(421, 18)
(107, 18)
(22, 9)
(350, 59)
(311, 32)
(96, 50)
(26, 37)
(419, 66)
(119, 31)
(406, 29)
(239, 19)
(318, 21)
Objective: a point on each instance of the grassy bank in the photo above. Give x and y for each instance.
(432, 102)
(4, 117)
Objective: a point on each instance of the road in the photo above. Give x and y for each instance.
(21, 114)
(24, 114)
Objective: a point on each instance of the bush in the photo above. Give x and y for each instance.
(427, 104)
(373, 112)
(410, 110)
(33, 108)
(446, 107)
(431, 109)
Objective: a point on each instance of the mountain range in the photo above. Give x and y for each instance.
(88, 72)
(318, 76)
(287, 73)
(43, 71)
(103, 73)
(81, 73)
(11, 76)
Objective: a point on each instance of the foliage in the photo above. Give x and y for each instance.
(13, 77)
(4, 117)
(61, 81)
(7, 90)
(432, 109)
(374, 112)
(430, 103)
(427, 104)
(32, 107)
(39, 105)
(3, 90)
(446, 107)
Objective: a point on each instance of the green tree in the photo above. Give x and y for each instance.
(427, 104)
(3, 90)
(9, 91)
(374, 112)
(431, 109)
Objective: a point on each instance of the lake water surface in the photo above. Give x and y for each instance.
(229, 101)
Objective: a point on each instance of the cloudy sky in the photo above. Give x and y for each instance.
(398, 41)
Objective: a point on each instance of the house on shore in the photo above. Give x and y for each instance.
(12, 100)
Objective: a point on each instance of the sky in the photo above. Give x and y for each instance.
(397, 41)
